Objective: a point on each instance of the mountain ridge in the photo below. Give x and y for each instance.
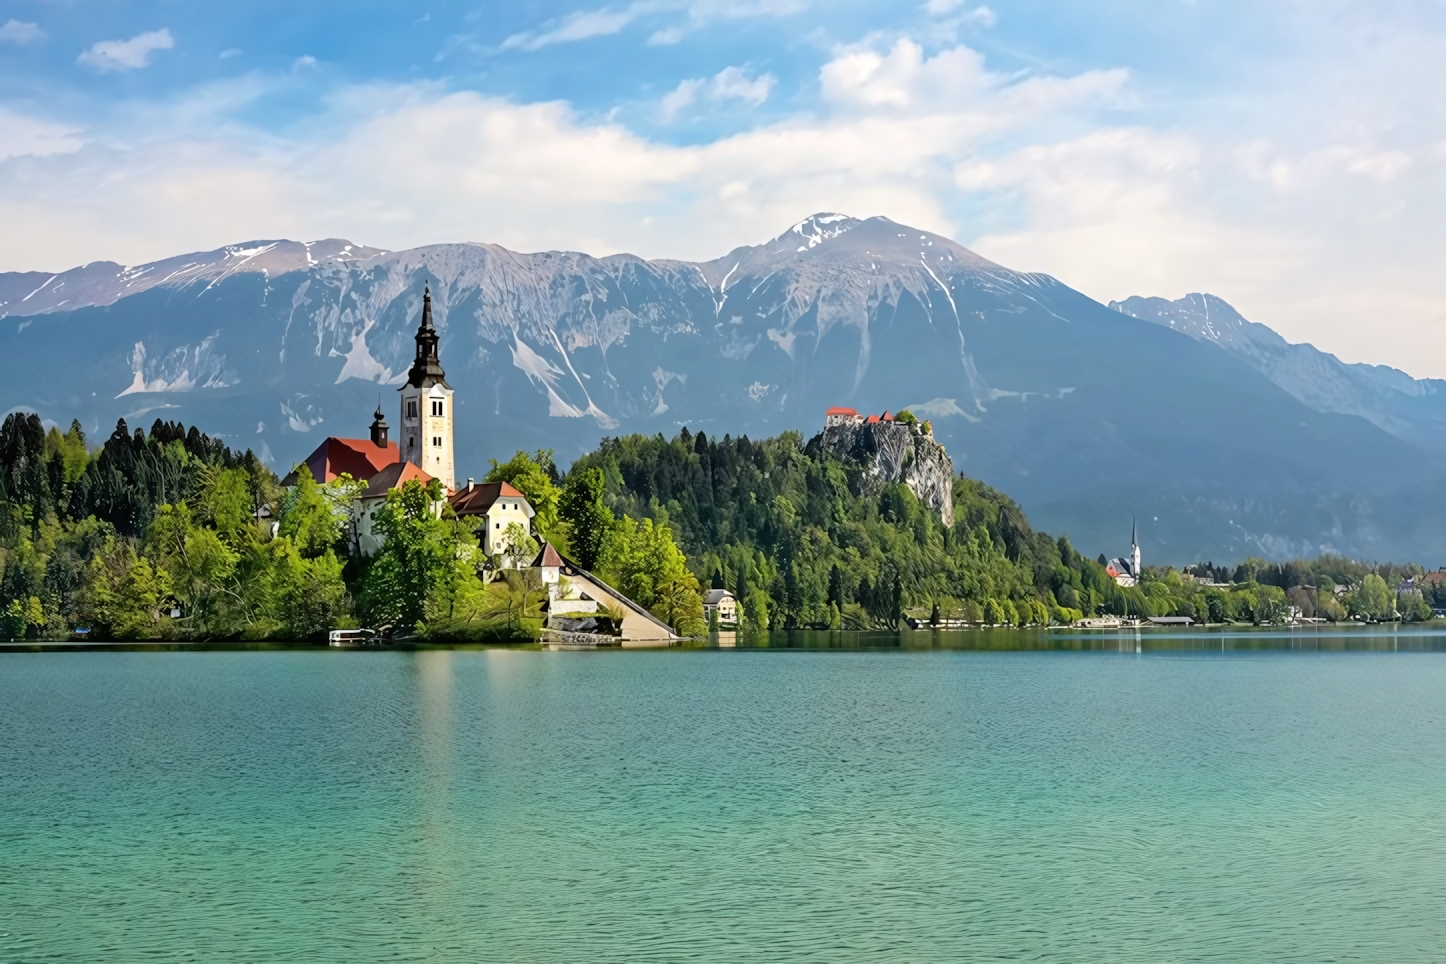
(1082, 413)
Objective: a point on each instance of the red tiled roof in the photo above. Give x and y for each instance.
(888, 416)
(479, 498)
(1435, 578)
(356, 457)
(392, 477)
(872, 419)
(839, 410)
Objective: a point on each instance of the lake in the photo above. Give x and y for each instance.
(1272, 797)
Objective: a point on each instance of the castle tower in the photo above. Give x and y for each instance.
(426, 430)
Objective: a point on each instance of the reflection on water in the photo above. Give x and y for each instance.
(1430, 637)
(826, 797)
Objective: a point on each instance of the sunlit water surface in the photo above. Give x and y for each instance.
(1205, 800)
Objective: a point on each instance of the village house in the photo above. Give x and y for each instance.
(490, 509)
(722, 602)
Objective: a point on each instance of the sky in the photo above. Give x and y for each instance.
(1288, 156)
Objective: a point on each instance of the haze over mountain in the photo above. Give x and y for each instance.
(1411, 408)
(1082, 413)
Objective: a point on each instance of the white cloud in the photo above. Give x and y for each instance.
(1314, 212)
(679, 97)
(21, 136)
(733, 83)
(903, 78)
(665, 37)
(730, 83)
(980, 15)
(18, 32)
(132, 54)
(574, 27)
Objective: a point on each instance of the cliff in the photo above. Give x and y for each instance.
(884, 452)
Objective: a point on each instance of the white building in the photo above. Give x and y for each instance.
(724, 603)
(490, 507)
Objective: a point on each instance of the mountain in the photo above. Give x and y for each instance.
(1409, 408)
(1084, 414)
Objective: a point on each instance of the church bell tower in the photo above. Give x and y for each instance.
(426, 428)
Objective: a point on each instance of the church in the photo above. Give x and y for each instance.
(1126, 572)
(423, 451)
(496, 511)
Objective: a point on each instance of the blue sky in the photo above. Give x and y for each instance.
(1288, 156)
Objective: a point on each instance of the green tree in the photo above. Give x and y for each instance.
(1373, 598)
(319, 518)
(581, 507)
(639, 558)
(417, 557)
(200, 568)
(680, 605)
(755, 610)
(125, 596)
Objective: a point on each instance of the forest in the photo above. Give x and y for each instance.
(172, 535)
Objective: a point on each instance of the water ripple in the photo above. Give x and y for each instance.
(703, 806)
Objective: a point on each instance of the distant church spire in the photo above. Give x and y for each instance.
(1134, 549)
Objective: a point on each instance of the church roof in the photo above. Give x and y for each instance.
(1120, 566)
(393, 477)
(548, 558)
(479, 499)
(840, 410)
(357, 457)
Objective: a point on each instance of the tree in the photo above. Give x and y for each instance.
(639, 558)
(521, 547)
(306, 597)
(680, 605)
(124, 596)
(200, 568)
(416, 559)
(1373, 598)
(581, 507)
(755, 610)
(321, 518)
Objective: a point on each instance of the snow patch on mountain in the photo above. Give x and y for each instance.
(361, 364)
(182, 369)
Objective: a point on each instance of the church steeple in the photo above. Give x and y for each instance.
(425, 437)
(427, 368)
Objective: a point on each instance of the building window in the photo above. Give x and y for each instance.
(411, 408)
(436, 408)
(437, 441)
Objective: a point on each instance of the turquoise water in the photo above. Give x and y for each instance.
(752, 805)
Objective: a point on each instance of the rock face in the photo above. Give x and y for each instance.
(894, 452)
